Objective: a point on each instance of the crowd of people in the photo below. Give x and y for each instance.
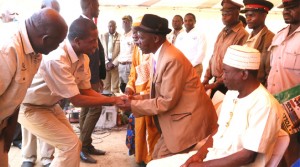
(158, 71)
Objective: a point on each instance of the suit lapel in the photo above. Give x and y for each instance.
(155, 75)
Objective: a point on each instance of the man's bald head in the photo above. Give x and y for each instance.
(46, 29)
(51, 4)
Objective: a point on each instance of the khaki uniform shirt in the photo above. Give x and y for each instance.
(18, 65)
(61, 75)
(285, 61)
(236, 36)
(261, 42)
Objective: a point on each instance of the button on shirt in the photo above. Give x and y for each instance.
(251, 123)
(18, 64)
(193, 45)
(126, 47)
(61, 75)
(285, 61)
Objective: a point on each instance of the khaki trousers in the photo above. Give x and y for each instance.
(29, 148)
(111, 81)
(51, 125)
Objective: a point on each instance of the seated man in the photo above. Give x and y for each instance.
(249, 121)
(182, 112)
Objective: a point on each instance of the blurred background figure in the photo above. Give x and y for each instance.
(243, 20)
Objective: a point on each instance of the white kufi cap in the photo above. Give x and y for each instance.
(242, 57)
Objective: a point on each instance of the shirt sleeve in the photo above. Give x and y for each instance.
(263, 128)
(7, 64)
(58, 77)
(83, 77)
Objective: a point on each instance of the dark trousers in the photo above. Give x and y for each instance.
(87, 121)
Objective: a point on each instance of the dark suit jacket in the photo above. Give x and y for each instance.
(185, 113)
(97, 64)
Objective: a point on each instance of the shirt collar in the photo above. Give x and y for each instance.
(25, 39)
(71, 52)
(84, 16)
(156, 54)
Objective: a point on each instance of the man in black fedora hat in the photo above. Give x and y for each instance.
(183, 113)
(256, 12)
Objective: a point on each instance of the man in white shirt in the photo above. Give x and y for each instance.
(126, 51)
(177, 23)
(192, 43)
(66, 74)
(111, 45)
(20, 58)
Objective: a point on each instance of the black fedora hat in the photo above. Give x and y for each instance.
(154, 24)
(260, 5)
(289, 3)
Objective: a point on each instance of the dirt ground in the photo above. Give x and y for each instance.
(111, 140)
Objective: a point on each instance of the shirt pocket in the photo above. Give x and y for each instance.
(292, 58)
(21, 76)
(180, 116)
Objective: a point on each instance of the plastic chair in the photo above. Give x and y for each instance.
(281, 145)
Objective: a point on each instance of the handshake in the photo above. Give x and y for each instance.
(124, 102)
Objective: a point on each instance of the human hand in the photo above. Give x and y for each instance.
(129, 91)
(210, 86)
(109, 66)
(192, 161)
(126, 106)
(119, 100)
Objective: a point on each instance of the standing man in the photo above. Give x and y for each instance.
(183, 113)
(111, 43)
(90, 115)
(256, 12)
(20, 56)
(285, 64)
(177, 23)
(145, 131)
(192, 43)
(65, 75)
(233, 33)
(29, 141)
(51, 4)
(126, 50)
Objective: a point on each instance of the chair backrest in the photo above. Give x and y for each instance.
(281, 145)
(217, 101)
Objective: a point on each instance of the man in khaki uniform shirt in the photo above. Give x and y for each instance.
(21, 57)
(232, 34)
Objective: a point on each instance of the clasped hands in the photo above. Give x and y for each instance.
(124, 102)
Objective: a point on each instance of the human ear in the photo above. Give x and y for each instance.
(245, 74)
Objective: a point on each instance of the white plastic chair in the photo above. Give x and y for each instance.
(281, 145)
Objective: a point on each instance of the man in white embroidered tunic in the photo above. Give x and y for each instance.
(250, 118)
